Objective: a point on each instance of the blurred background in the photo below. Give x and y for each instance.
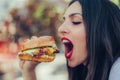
(21, 19)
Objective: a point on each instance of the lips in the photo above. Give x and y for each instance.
(68, 47)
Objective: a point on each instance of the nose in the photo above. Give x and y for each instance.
(63, 29)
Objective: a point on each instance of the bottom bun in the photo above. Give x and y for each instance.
(42, 58)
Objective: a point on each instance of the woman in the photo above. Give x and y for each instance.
(90, 33)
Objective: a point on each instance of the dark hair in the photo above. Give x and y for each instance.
(102, 23)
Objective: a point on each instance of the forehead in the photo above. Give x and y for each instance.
(73, 8)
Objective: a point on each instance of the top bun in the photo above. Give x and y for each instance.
(38, 42)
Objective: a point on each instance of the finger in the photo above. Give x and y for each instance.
(35, 63)
(21, 63)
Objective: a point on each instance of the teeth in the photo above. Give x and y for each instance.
(65, 41)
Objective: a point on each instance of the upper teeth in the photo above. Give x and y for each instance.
(66, 41)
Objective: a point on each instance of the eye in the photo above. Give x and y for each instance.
(76, 22)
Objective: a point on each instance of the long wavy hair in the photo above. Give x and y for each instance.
(102, 23)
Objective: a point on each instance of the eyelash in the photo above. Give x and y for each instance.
(76, 23)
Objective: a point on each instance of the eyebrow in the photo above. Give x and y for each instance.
(75, 14)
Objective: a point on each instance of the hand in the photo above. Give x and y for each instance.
(28, 65)
(28, 69)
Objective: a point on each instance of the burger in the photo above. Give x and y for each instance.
(40, 49)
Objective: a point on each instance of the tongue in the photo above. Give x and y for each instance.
(68, 55)
(68, 50)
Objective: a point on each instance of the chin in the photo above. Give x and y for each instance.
(72, 64)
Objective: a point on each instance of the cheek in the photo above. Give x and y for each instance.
(80, 45)
(79, 32)
(80, 55)
(80, 37)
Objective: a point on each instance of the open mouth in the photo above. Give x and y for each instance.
(68, 48)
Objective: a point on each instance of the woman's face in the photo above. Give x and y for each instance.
(73, 35)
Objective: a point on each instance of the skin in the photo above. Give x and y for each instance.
(28, 69)
(70, 30)
(73, 28)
